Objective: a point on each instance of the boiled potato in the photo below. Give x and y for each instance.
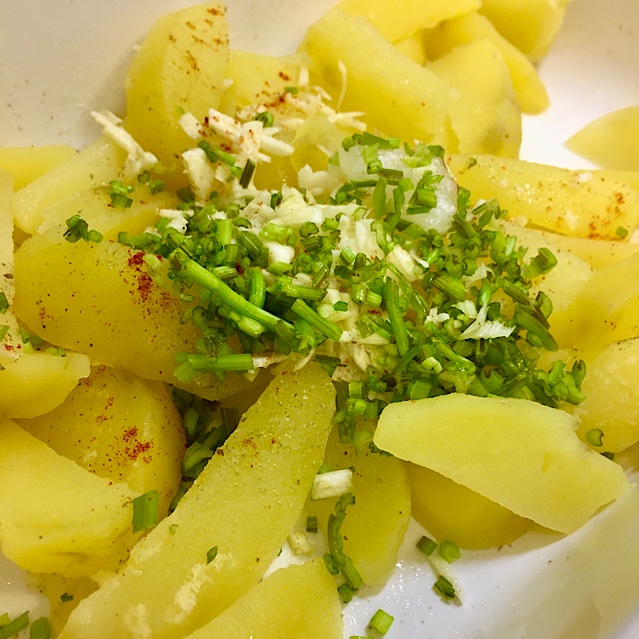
(607, 308)
(94, 166)
(313, 609)
(531, 25)
(26, 163)
(611, 397)
(484, 110)
(413, 47)
(611, 141)
(66, 294)
(395, 22)
(531, 93)
(375, 524)
(95, 208)
(57, 517)
(180, 67)
(563, 284)
(448, 510)
(119, 427)
(37, 382)
(520, 454)
(575, 203)
(399, 97)
(245, 503)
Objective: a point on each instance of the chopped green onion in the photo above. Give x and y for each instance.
(324, 326)
(311, 524)
(444, 587)
(4, 303)
(595, 437)
(4, 329)
(66, 597)
(449, 551)
(381, 621)
(247, 174)
(40, 629)
(145, 511)
(395, 316)
(266, 118)
(211, 554)
(427, 545)
(14, 626)
(621, 232)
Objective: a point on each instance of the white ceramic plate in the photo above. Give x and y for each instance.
(59, 59)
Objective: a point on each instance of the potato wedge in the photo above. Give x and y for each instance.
(68, 526)
(245, 503)
(26, 163)
(313, 608)
(66, 294)
(518, 453)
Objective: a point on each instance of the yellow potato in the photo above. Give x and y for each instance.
(37, 382)
(563, 284)
(94, 166)
(531, 25)
(607, 309)
(313, 609)
(531, 93)
(66, 294)
(413, 47)
(575, 203)
(448, 510)
(611, 141)
(520, 454)
(396, 23)
(375, 524)
(484, 110)
(119, 427)
(94, 206)
(611, 397)
(26, 163)
(244, 503)
(400, 98)
(180, 67)
(57, 517)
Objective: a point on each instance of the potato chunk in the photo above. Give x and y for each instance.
(449, 510)
(577, 203)
(375, 524)
(26, 163)
(294, 602)
(37, 382)
(67, 294)
(520, 454)
(180, 67)
(56, 516)
(119, 427)
(245, 503)
(398, 96)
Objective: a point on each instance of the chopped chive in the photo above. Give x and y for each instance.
(4, 329)
(145, 511)
(340, 306)
(40, 629)
(427, 545)
(444, 587)
(449, 551)
(4, 303)
(14, 626)
(311, 524)
(381, 621)
(324, 326)
(66, 597)
(266, 118)
(595, 437)
(247, 174)
(211, 554)
(621, 232)
(395, 316)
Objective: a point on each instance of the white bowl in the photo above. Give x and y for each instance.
(60, 59)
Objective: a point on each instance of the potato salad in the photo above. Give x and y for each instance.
(285, 311)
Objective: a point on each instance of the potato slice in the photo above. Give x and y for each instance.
(611, 141)
(94, 206)
(531, 25)
(448, 510)
(607, 308)
(398, 96)
(313, 608)
(611, 397)
(576, 203)
(119, 427)
(531, 93)
(37, 382)
(245, 503)
(397, 22)
(518, 453)
(67, 526)
(94, 166)
(484, 110)
(375, 524)
(180, 67)
(26, 163)
(66, 294)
